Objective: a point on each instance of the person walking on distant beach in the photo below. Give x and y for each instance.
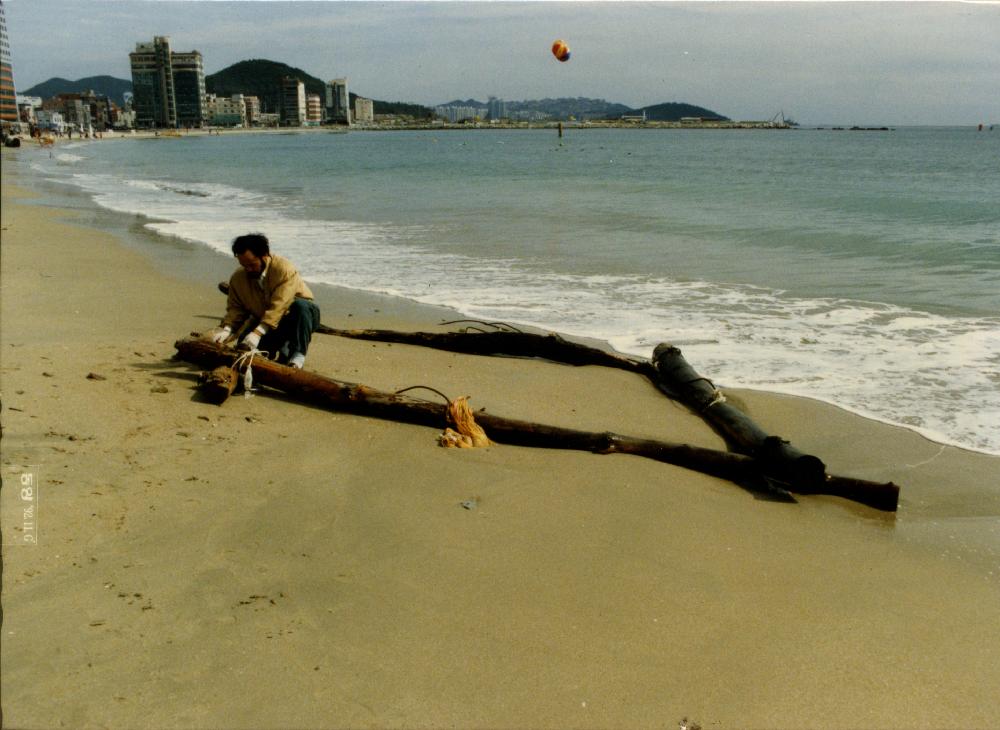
(269, 308)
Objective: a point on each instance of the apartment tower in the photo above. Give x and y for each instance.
(293, 102)
(338, 102)
(189, 88)
(168, 88)
(8, 97)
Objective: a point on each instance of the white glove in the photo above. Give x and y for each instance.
(251, 341)
(219, 334)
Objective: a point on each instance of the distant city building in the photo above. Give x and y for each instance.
(226, 111)
(71, 108)
(314, 110)
(268, 119)
(28, 107)
(8, 96)
(456, 114)
(189, 88)
(293, 102)
(252, 104)
(338, 102)
(496, 109)
(125, 119)
(364, 110)
(153, 84)
(530, 116)
(86, 111)
(50, 121)
(168, 88)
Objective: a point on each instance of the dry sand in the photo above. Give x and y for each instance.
(268, 565)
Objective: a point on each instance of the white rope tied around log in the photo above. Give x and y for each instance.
(717, 397)
(247, 359)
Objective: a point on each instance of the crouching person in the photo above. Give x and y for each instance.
(270, 308)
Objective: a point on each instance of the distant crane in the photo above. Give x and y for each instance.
(784, 122)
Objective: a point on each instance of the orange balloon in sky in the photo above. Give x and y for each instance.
(560, 50)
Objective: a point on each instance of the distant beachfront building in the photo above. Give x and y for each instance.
(72, 109)
(364, 110)
(293, 102)
(50, 121)
(338, 102)
(153, 84)
(8, 96)
(314, 110)
(189, 88)
(227, 111)
(86, 111)
(252, 104)
(168, 87)
(268, 119)
(27, 108)
(125, 119)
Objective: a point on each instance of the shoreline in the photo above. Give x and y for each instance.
(134, 134)
(190, 554)
(116, 134)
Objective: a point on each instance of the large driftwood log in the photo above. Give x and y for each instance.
(502, 342)
(219, 384)
(668, 371)
(521, 344)
(351, 397)
(676, 378)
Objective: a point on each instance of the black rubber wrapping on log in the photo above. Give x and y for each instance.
(782, 461)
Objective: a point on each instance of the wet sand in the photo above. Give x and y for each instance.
(267, 564)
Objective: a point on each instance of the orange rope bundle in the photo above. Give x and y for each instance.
(469, 434)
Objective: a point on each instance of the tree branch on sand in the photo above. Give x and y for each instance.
(317, 390)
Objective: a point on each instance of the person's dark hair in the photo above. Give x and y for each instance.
(256, 243)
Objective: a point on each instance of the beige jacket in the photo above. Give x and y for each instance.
(265, 300)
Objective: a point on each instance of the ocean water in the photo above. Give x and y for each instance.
(858, 268)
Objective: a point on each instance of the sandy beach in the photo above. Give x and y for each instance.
(268, 565)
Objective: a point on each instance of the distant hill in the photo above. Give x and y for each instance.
(579, 108)
(399, 107)
(460, 102)
(584, 108)
(108, 86)
(262, 78)
(672, 111)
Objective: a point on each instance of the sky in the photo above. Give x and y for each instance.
(865, 63)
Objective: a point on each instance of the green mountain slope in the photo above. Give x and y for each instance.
(584, 108)
(108, 86)
(262, 78)
(672, 112)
